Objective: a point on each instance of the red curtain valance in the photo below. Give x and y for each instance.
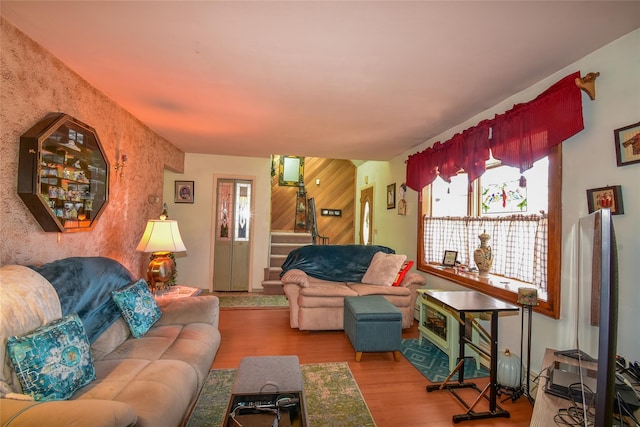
(518, 137)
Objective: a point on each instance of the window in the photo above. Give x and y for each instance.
(452, 217)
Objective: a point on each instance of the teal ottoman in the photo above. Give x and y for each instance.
(373, 324)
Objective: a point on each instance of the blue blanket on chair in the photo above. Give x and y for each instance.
(337, 263)
(84, 286)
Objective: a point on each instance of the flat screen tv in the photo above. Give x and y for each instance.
(597, 309)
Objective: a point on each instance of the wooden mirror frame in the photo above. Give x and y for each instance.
(291, 171)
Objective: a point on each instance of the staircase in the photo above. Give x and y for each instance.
(282, 243)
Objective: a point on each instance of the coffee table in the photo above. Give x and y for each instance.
(266, 389)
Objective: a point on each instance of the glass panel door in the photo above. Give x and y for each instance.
(232, 243)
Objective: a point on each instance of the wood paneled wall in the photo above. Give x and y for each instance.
(335, 191)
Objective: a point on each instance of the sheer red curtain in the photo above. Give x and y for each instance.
(527, 132)
(518, 137)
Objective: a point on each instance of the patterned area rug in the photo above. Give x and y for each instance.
(433, 363)
(331, 394)
(253, 301)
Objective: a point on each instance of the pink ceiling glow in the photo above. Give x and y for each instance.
(356, 80)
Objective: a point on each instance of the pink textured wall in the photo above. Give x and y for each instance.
(34, 83)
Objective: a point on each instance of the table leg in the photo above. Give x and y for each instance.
(493, 372)
(461, 344)
(459, 369)
(492, 388)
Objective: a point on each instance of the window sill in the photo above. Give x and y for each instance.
(500, 287)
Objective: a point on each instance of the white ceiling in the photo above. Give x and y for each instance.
(355, 80)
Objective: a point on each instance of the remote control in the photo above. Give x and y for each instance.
(257, 404)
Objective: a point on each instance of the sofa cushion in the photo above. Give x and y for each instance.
(110, 339)
(383, 269)
(327, 290)
(169, 363)
(362, 289)
(53, 361)
(160, 391)
(176, 342)
(28, 301)
(94, 413)
(138, 307)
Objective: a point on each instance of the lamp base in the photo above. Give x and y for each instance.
(160, 271)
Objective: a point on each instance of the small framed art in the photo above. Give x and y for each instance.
(627, 144)
(391, 196)
(606, 197)
(184, 192)
(449, 258)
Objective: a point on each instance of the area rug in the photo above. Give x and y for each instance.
(331, 394)
(433, 363)
(253, 301)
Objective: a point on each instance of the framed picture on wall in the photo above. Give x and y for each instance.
(628, 144)
(184, 192)
(606, 197)
(391, 196)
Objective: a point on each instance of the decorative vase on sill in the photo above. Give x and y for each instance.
(483, 256)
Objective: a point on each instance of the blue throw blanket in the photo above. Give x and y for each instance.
(84, 286)
(337, 263)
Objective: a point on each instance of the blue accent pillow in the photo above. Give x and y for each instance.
(53, 361)
(137, 306)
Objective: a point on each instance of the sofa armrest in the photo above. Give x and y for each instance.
(295, 277)
(292, 291)
(64, 413)
(182, 311)
(412, 279)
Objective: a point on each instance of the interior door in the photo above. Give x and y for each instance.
(232, 242)
(366, 216)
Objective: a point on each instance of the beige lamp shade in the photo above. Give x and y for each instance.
(161, 236)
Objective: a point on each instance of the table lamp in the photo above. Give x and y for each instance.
(161, 237)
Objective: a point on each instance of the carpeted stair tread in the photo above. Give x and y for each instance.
(277, 260)
(272, 287)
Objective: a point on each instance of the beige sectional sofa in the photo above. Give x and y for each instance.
(149, 381)
(316, 303)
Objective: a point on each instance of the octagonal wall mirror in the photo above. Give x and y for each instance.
(291, 171)
(63, 174)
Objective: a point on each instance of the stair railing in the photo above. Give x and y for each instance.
(315, 234)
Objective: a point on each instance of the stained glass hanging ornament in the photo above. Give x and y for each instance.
(523, 181)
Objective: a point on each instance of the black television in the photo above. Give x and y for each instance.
(597, 309)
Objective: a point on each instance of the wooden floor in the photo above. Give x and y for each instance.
(394, 391)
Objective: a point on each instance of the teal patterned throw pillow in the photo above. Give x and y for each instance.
(137, 306)
(53, 361)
